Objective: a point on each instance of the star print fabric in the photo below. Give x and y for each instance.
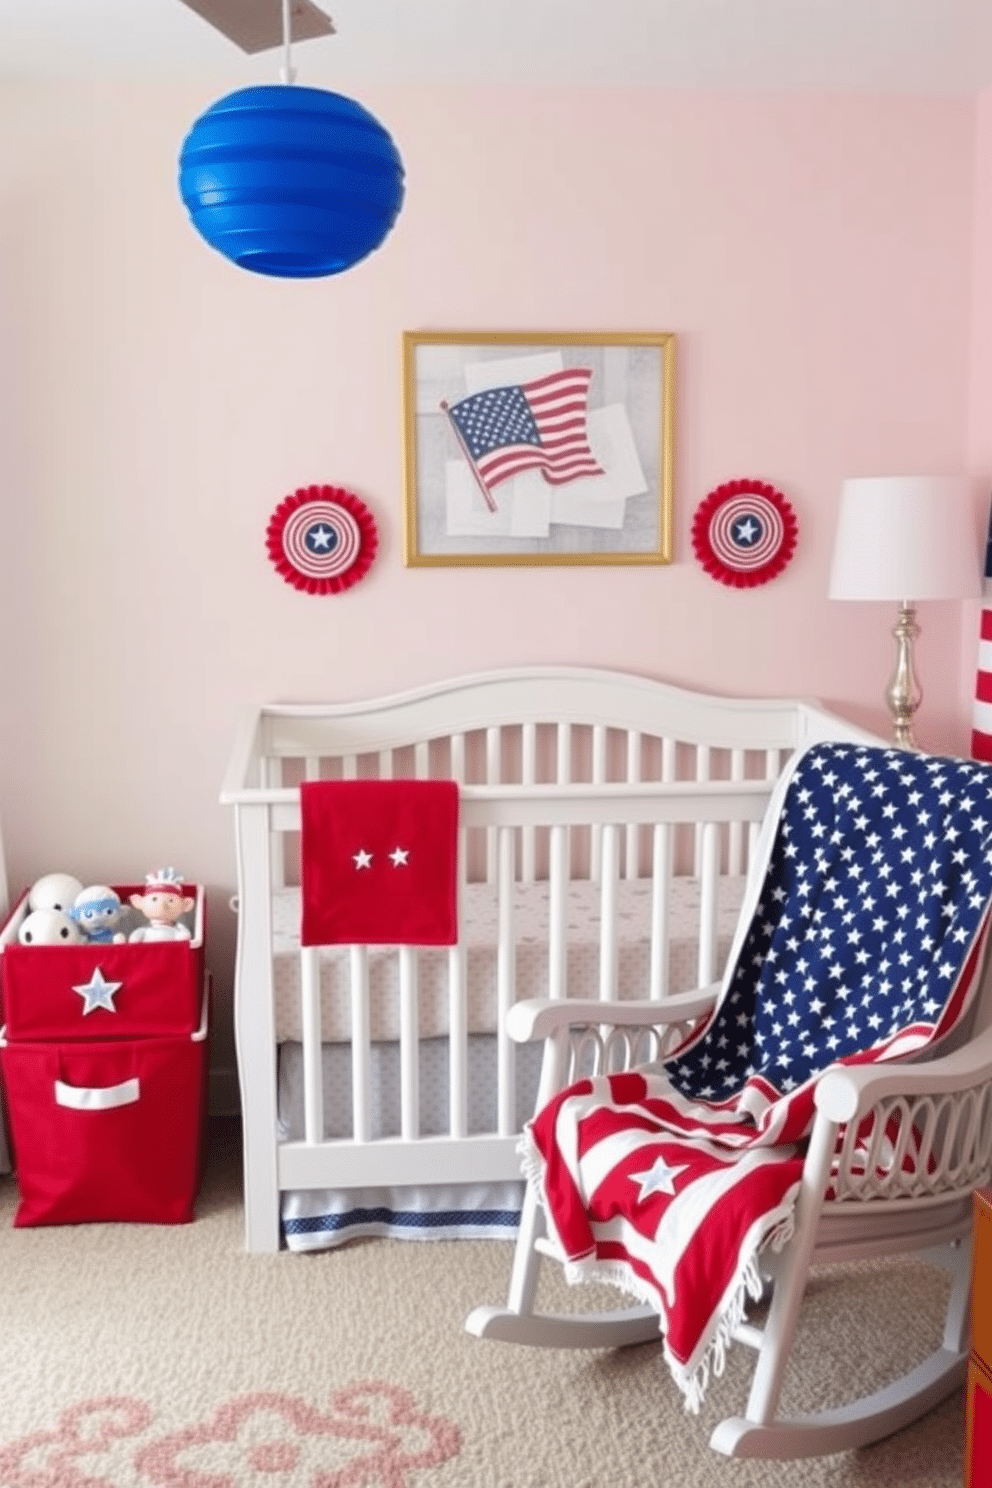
(862, 945)
(879, 877)
(378, 862)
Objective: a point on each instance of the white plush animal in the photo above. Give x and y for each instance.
(45, 927)
(54, 891)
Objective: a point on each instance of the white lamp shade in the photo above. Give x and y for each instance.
(905, 538)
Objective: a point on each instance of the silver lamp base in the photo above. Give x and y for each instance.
(904, 694)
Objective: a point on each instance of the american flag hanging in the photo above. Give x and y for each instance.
(981, 717)
(535, 425)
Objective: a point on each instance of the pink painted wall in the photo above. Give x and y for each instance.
(979, 460)
(812, 255)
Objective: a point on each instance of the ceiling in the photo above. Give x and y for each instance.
(906, 45)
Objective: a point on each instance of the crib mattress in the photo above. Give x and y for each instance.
(478, 935)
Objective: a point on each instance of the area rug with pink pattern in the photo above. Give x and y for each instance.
(136, 1355)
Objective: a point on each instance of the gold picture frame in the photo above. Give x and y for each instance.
(537, 447)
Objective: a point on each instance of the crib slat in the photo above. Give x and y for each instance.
(409, 1064)
(528, 775)
(631, 832)
(458, 1011)
(598, 776)
(608, 913)
(313, 1085)
(598, 753)
(493, 776)
(457, 1045)
(661, 898)
(505, 985)
(361, 1085)
(735, 835)
(557, 910)
(458, 758)
(703, 768)
(563, 754)
(272, 777)
(708, 868)
(563, 770)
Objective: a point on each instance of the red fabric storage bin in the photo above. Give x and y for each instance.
(159, 991)
(106, 1130)
(104, 1060)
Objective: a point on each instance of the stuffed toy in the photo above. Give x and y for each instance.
(162, 903)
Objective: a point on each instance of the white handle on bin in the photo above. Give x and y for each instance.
(79, 1098)
(201, 1032)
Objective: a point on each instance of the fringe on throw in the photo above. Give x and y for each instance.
(694, 1379)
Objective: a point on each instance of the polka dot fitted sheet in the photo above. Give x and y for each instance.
(478, 936)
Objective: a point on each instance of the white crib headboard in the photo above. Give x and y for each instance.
(532, 726)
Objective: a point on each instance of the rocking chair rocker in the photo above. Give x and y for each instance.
(865, 924)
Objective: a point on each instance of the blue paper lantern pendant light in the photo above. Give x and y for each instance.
(294, 182)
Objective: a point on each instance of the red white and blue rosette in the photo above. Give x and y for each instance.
(744, 533)
(322, 539)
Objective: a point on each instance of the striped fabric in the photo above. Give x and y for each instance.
(669, 1181)
(981, 715)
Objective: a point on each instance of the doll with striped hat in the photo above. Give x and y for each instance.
(162, 904)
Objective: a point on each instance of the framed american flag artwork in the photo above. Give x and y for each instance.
(538, 448)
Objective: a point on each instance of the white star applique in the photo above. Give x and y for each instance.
(98, 992)
(362, 858)
(399, 856)
(660, 1179)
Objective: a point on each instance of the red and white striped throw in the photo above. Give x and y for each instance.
(862, 946)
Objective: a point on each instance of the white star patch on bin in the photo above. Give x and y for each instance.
(98, 992)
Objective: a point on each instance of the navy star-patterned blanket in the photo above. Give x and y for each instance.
(861, 944)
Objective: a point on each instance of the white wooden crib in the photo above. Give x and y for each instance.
(605, 825)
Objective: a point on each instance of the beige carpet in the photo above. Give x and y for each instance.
(134, 1355)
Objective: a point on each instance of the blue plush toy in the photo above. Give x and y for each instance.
(98, 911)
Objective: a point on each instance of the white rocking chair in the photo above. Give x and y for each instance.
(942, 1103)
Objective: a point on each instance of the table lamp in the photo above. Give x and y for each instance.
(905, 538)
